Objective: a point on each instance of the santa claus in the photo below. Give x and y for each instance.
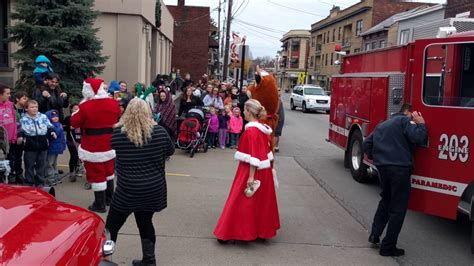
(96, 116)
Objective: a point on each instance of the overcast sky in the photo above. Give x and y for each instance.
(270, 19)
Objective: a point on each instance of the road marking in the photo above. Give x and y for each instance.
(170, 174)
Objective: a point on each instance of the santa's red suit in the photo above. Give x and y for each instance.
(97, 115)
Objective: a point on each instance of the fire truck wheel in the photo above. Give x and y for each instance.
(358, 168)
(292, 105)
(303, 108)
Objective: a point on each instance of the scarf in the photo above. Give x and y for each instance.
(167, 110)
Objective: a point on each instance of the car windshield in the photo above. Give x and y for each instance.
(314, 91)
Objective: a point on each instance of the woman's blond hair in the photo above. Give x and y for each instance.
(255, 108)
(137, 122)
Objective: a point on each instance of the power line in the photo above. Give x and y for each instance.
(260, 27)
(295, 9)
(241, 11)
(198, 18)
(238, 8)
(245, 27)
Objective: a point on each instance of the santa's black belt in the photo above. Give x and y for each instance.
(98, 131)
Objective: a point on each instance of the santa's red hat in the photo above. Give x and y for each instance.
(93, 88)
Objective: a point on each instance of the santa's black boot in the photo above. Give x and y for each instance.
(109, 192)
(148, 249)
(99, 203)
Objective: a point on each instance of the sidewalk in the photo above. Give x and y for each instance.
(315, 228)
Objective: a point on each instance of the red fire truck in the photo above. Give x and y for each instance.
(437, 77)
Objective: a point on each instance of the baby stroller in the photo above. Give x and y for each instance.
(192, 132)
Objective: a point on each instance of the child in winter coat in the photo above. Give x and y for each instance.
(235, 127)
(213, 128)
(56, 147)
(43, 68)
(223, 125)
(35, 132)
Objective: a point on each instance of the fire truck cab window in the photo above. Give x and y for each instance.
(449, 75)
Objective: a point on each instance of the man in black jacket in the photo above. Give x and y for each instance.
(50, 96)
(390, 147)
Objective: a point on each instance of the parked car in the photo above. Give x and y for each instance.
(36, 229)
(310, 97)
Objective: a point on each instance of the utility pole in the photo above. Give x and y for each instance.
(227, 40)
(218, 41)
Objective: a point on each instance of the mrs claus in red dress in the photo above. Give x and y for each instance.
(248, 218)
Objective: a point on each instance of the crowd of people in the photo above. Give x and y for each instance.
(132, 139)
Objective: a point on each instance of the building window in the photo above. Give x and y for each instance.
(339, 35)
(367, 47)
(333, 35)
(404, 36)
(374, 46)
(357, 50)
(359, 26)
(332, 58)
(326, 60)
(313, 39)
(324, 38)
(327, 36)
(311, 61)
(3, 34)
(382, 44)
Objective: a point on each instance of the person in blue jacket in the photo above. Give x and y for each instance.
(43, 68)
(56, 147)
(391, 147)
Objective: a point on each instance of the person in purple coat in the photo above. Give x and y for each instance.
(213, 128)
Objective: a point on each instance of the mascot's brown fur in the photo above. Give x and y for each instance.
(265, 91)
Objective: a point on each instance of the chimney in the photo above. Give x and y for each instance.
(334, 11)
(181, 2)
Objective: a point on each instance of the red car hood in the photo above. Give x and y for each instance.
(36, 229)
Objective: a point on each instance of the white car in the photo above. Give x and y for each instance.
(310, 97)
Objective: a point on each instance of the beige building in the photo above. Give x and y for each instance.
(137, 49)
(344, 28)
(293, 57)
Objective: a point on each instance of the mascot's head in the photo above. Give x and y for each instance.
(93, 88)
(263, 81)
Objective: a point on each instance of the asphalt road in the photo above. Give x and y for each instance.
(427, 240)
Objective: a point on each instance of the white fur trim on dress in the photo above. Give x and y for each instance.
(89, 94)
(110, 177)
(262, 127)
(95, 157)
(247, 158)
(99, 186)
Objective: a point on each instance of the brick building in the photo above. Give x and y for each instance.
(191, 39)
(344, 27)
(294, 57)
(455, 7)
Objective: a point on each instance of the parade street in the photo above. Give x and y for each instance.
(324, 214)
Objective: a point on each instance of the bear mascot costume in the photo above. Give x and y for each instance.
(97, 115)
(265, 91)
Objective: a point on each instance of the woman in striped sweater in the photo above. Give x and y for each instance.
(142, 147)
